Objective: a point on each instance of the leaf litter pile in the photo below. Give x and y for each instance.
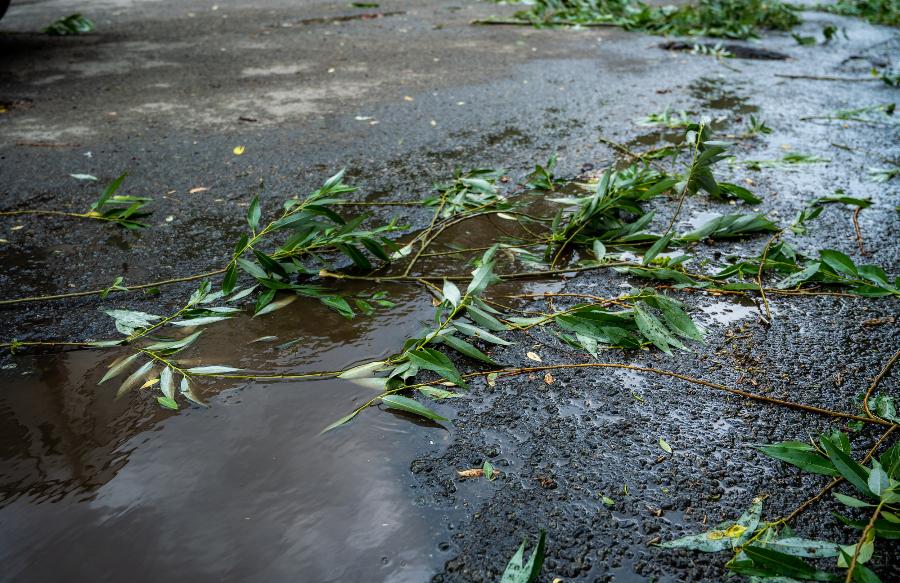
(623, 219)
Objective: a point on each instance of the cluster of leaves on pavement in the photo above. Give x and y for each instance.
(738, 19)
(772, 551)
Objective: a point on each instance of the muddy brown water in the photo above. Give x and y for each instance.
(245, 489)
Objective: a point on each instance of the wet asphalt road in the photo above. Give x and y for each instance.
(166, 90)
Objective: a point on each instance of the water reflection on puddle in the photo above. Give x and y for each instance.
(244, 490)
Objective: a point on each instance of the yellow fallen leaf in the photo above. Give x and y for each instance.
(200, 188)
(238, 150)
(735, 531)
(18, 228)
(408, 98)
(150, 383)
(533, 356)
(548, 378)
(472, 473)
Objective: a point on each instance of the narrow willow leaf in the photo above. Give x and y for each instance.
(711, 541)
(251, 268)
(213, 369)
(801, 547)
(849, 469)
(408, 405)
(658, 247)
(470, 330)
(276, 305)
(174, 344)
(118, 367)
(168, 403)
(516, 572)
(484, 319)
(599, 250)
(653, 329)
(839, 262)
(202, 321)
(430, 359)
(878, 479)
(451, 293)
(187, 389)
(851, 501)
(167, 383)
(254, 212)
(785, 564)
(467, 349)
(800, 454)
(436, 393)
(363, 370)
(135, 378)
(339, 422)
(230, 279)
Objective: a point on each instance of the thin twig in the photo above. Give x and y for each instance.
(876, 381)
(827, 78)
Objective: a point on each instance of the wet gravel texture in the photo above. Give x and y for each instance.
(159, 93)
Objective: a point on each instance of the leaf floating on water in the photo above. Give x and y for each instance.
(150, 382)
(134, 379)
(167, 383)
(167, 403)
(264, 339)
(213, 369)
(408, 405)
(188, 391)
(363, 370)
(118, 367)
(277, 305)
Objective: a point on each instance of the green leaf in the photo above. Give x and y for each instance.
(711, 541)
(408, 405)
(108, 192)
(849, 469)
(658, 247)
(785, 564)
(363, 370)
(839, 262)
(211, 370)
(167, 384)
(800, 454)
(451, 293)
(135, 378)
(676, 317)
(339, 305)
(878, 480)
(430, 359)
(202, 321)
(488, 470)
(168, 403)
(230, 279)
(665, 445)
(851, 501)
(254, 213)
(118, 367)
(476, 332)
(653, 329)
(482, 318)
(516, 572)
(276, 305)
(168, 345)
(465, 348)
(437, 394)
(801, 547)
(188, 391)
(343, 420)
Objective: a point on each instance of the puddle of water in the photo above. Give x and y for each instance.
(729, 311)
(246, 489)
